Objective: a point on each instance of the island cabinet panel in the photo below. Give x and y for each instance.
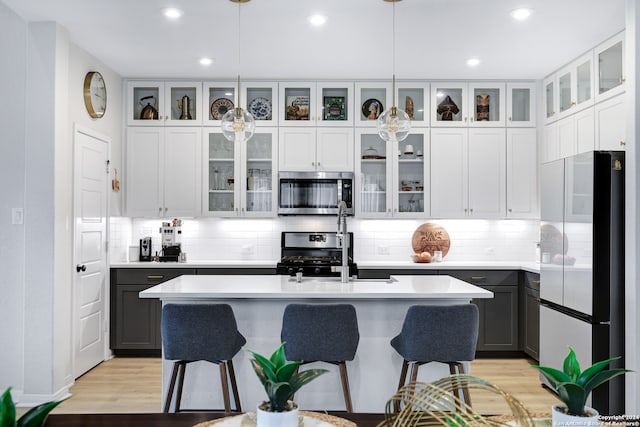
(236, 271)
(531, 315)
(135, 322)
(498, 328)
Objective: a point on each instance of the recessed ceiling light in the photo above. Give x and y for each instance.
(317, 20)
(206, 61)
(172, 13)
(521, 14)
(472, 62)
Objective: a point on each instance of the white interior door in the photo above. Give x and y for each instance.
(90, 249)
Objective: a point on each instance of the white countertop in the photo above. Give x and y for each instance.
(189, 287)
(531, 267)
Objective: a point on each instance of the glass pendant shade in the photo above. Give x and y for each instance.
(238, 125)
(394, 124)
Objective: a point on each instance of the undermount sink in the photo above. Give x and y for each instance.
(337, 280)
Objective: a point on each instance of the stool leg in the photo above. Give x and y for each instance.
(225, 387)
(234, 386)
(465, 390)
(181, 373)
(345, 386)
(403, 374)
(414, 371)
(172, 383)
(455, 384)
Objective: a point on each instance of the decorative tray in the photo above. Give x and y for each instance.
(306, 419)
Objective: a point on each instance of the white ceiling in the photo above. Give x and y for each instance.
(434, 37)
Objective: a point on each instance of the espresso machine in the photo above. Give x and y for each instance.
(171, 236)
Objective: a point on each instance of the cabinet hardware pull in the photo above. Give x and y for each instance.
(165, 211)
(155, 276)
(318, 163)
(159, 211)
(622, 79)
(510, 119)
(471, 210)
(465, 119)
(478, 277)
(313, 163)
(510, 210)
(622, 143)
(465, 209)
(535, 282)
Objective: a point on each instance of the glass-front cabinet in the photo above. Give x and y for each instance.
(316, 104)
(371, 100)
(392, 179)
(413, 98)
(549, 87)
(521, 105)
(575, 86)
(475, 104)
(261, 100)
(239, 179)
(609, 59)
(156, 103)
(217, 99)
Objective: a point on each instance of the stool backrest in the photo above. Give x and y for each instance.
(440, 333)
(320, 332)
(193, 332)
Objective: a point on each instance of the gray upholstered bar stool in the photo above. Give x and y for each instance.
(446, 334)
(194, 332)
(322, 333)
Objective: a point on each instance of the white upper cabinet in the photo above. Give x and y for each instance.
(477, 104)
(372, 99)
(575, 86)
(217, 99)
(610, 68)
(316, 104)
(522, 173)
(413, 98)
(164, 103)
(261, 100)
(315, 149)
(521, 104)
(611, 124)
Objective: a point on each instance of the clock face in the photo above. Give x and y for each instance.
(95, 94)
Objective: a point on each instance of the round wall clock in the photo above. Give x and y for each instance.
(95, 94)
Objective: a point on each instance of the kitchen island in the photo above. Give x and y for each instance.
(258, 303)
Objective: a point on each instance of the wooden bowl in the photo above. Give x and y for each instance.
(430, 237)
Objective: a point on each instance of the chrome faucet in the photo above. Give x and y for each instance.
(343, 241)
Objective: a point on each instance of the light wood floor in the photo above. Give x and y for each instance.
(134, 385)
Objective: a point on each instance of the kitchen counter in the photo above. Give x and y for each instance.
(258, 302)
(532, 267)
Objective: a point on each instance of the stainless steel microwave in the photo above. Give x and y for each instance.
(314, 193)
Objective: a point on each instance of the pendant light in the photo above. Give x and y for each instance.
(238, 124)
(394, 124)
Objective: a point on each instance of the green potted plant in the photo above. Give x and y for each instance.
(281, 382)
(35, 417)
(574, 387)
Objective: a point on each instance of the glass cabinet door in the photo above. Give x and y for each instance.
(372, 175)
(449, 106)
(297, 104)
(372, 99)
(217, 99)
(413, 98)
(335, 104)
(221, 182)
(584, 79)
(564, 91)
(259, 165)
(183, 102)
(487, 101)
(145, 103)
(550, 98)
(411, 190)
(610, 67)
(521, 105)
(261, 100)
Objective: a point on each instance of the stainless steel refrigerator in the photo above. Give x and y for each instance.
(582, 266)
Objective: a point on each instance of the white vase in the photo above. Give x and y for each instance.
(277, 419)
(560, 419)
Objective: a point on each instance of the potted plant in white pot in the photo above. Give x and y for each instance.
(574, 387)
(281, 382)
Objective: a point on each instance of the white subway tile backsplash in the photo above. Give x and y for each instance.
(375, 240)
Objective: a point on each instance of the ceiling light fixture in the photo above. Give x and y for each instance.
(172, 13)
(521, 14)
(473, 62)
(238, 124)
(317, 20)
(394, 124)
(206, 61)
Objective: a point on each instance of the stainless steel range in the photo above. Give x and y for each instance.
(313, 254)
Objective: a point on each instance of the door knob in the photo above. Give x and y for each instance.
(81, 267)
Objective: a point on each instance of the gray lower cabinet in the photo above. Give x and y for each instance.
(531, 315)
(498, 328)
(135, 322)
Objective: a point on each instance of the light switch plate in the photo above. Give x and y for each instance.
(17, 216)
